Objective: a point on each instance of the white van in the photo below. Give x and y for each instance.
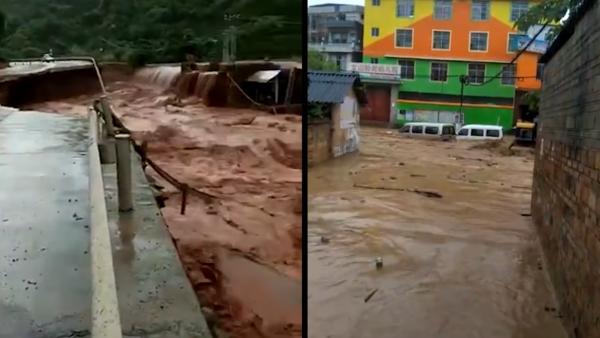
(429, 130)
(480, 132)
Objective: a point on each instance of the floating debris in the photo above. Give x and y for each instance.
(371, 295)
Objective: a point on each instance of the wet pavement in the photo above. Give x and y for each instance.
(464, 263)
(156, 298)
(45, 287)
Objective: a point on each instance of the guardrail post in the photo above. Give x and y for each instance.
(144, 155)
(107, 150)
(107, 115)
(124, 172)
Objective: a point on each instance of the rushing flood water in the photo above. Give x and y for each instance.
(249, 159)
(161, 76)
(463, 265)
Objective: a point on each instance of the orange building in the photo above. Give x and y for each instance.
(416, 51)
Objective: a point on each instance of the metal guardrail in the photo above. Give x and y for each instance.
(141, 150)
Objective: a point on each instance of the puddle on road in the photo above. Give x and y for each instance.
(464, 265)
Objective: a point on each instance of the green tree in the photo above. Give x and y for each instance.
(547, 11)
(2, 24)
(317, 61)
(2, 29)
(151, 30)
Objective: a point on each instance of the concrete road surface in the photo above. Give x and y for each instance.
(45, 288)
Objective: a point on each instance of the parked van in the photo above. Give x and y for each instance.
(443, 131)
(480, 132)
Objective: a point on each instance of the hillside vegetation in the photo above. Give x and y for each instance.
(143, 31)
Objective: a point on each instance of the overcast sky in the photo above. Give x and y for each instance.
(347, 2)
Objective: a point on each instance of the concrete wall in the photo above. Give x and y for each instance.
(50, 86)
(4, 92)
(566, 187)
(337, 136)
(345, 119)
(319, 142)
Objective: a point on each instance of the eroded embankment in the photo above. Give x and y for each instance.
(242, 252)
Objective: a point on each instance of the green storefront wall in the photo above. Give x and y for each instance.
(473, 115)
(422, 83)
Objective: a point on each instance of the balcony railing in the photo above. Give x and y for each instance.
(335, 47)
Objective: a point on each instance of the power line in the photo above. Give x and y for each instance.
(518, 54)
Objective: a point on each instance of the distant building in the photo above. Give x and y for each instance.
(415, 52)
(336, 31)
(338, 99)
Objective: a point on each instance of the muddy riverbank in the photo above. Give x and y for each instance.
(452, 225)
(242, 252)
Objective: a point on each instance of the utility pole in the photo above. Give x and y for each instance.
(230, 38)
(464, 80)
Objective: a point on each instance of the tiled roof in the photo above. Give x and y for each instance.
(329, 87)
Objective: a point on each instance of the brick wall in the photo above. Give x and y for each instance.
(566, 185)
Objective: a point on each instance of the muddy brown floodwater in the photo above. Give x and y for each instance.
(242, 253)
(463, 265)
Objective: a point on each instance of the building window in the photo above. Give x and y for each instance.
(375, 2)
(478, 41)
(539, 71)
(404, 38)
(480, 9)
(336, 37)
(518, 8)
(476, 73)
(374, 60)
(442, 9)
(405, 8)
(374, 31)
(514, 40)
(441, 40)
(351, 37)
(508, 74)
(439, 71)
(407, 69)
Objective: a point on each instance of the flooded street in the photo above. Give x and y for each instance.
(452, 225)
